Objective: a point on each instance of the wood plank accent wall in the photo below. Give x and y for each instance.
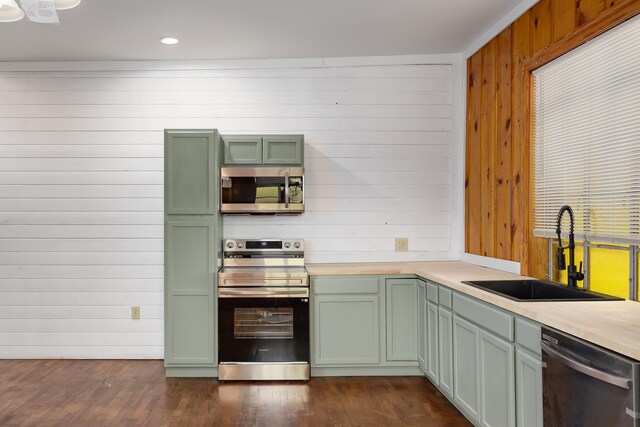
(497, 178)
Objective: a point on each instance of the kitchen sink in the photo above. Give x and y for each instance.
(538, 290)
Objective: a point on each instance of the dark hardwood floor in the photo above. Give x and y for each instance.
(133, 393)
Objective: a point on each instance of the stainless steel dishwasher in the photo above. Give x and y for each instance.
(586, 385)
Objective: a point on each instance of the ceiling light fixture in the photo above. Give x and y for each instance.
(9, 11)
(169, 40)
(66, 4)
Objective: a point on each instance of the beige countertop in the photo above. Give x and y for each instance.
(611, 324)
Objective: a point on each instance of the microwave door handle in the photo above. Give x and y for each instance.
(585, 369)
(286, 189)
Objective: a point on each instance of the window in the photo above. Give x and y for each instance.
(606, 266)
(586, 153)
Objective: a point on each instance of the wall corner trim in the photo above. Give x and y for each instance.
(500, 25)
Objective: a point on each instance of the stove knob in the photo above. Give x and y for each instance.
(240, 245)
(287, 245)
(230, 245)
(296, 245)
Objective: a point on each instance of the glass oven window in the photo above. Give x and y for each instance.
(263, 323)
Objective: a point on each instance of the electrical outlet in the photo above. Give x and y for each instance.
(135, 313)
(402, 244)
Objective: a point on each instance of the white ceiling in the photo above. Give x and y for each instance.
(240, 29)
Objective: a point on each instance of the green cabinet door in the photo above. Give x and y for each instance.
(283, 149)
(466, 367)
(190, 172)
(402, 319)
(241, 149)
(528, 389)
(497, 383)
(346, 329)
(433, 367)
(422, 326)
(445, 351)
(189, 292)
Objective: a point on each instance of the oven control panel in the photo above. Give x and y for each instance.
(270, 245)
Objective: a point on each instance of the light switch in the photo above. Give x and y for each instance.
(135, 313)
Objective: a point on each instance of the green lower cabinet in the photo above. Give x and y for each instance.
(528, 389)
(346, 329)
(497, 383)
(190, 292)
(446, 352)
(402, 319)
(422, 326)
(466, 365)
(432, 342)
(364, 325)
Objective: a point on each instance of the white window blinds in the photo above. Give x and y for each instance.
(587, 138)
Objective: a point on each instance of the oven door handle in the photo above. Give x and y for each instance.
(585, 369)
(263, 293)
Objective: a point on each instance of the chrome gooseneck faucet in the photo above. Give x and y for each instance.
(573, 275)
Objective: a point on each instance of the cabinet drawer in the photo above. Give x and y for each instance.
(528, 335)
(345, 285)
(432, 292)
(445, 296)
(484, 315)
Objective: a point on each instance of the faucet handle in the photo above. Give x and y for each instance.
(561, 263)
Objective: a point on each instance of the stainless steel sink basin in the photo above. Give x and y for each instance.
(538, 290)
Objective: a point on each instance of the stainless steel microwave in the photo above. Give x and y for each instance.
(262, 190)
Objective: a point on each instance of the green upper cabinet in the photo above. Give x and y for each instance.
(190, 172)
(256, 150)
(283, 150)
(242, 149)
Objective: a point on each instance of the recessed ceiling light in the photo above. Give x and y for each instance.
(169, 40)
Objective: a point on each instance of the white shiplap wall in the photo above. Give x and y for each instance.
(81, 194)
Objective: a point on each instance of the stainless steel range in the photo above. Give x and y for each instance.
(263, 311)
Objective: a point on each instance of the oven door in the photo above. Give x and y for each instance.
(263, 325)
(262, 190)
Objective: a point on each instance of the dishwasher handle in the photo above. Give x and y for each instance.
(585, 369)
